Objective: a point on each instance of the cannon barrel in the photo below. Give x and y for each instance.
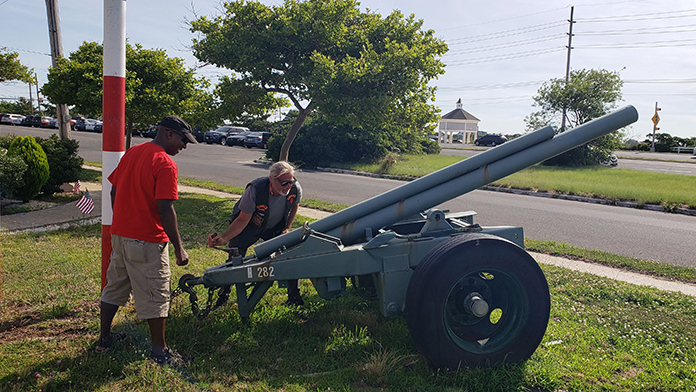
(422, 194)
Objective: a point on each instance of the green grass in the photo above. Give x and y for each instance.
(669, 190)
(602, 334)
(615, 184)
(409, 165)
(309, 203)
(649, 267)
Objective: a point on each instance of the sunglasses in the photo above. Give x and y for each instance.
(286, 183)
(184, 139)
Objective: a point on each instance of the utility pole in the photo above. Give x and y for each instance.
(38, 97)
(31, 100)
(567, 74)
(655, 120)
(57, 53)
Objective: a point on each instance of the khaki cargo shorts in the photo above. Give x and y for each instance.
(141, 268)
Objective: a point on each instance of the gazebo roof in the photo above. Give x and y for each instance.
(459, 114)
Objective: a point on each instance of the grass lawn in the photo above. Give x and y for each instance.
(611, 183)
(602, 334)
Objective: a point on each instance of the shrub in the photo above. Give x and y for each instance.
(430, 146)
(322, 143)
(64, 163)
(37, 172)
(12, 169)
(6, 141)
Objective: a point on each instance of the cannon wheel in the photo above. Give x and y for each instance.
(477, 300)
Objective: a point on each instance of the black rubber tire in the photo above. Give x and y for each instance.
(511, 282)
(476, 143)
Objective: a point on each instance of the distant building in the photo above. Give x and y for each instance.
(458, 121)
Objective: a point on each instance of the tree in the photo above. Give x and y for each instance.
(21, 106)
(359, 69)
(587, 95)
(12, 69)
(156, 85)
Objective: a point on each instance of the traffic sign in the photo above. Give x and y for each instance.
(655, 119)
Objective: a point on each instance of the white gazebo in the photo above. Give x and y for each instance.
(458, 121)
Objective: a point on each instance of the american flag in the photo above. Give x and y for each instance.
(85, 204)
(76, 189)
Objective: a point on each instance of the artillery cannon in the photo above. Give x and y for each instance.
(471, 295)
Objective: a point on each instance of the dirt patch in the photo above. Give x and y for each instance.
(28, 323)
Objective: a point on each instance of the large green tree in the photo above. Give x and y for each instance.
(588, 94)
(12, 69)
(356, 67)
(156, 85)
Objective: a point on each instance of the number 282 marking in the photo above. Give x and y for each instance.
(261, 272)
(264, 272)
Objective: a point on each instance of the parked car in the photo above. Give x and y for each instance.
(90, 125)
(257, 139)
(152, 131)
(237, 139)
(214, 137)
(44, 122)
(198, 134)
(219, 136)
(13, 119)
(80, 124)
(54, 123)
(86, 124)
(490, 140)
(613, 161)
(28, 121)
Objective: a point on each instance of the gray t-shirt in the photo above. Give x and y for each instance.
(276, 204)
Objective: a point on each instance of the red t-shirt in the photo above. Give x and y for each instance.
(144, 174)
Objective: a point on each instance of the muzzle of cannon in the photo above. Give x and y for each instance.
(471, 295)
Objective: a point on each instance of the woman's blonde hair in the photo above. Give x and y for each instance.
(281, 167)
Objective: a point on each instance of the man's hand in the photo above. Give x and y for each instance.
(215, 240)
(182, 257)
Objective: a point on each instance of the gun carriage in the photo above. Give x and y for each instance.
(471, 295)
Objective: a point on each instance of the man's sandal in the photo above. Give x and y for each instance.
(104, 345)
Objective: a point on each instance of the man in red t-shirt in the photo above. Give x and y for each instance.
(144, 187)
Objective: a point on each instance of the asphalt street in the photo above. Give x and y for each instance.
(638, 233)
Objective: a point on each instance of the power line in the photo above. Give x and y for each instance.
(680, 81)
(28, 51)
(638, 17)
(642, 30)
(510, 56)
(516, 17)
(640, 45)
(503, 34)
(495, 86)
(505, 45)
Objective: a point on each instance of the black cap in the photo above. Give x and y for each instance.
(176, 123)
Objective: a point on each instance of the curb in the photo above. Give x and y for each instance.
(595, 200)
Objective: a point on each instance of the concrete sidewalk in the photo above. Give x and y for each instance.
(68, 215)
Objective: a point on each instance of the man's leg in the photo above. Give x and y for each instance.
(157, 334)
(108, 312)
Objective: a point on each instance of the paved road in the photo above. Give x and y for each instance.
(683, 164)
(638, 233)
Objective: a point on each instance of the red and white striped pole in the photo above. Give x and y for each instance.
(114, 112)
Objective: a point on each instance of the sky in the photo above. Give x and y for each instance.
(500, 51)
